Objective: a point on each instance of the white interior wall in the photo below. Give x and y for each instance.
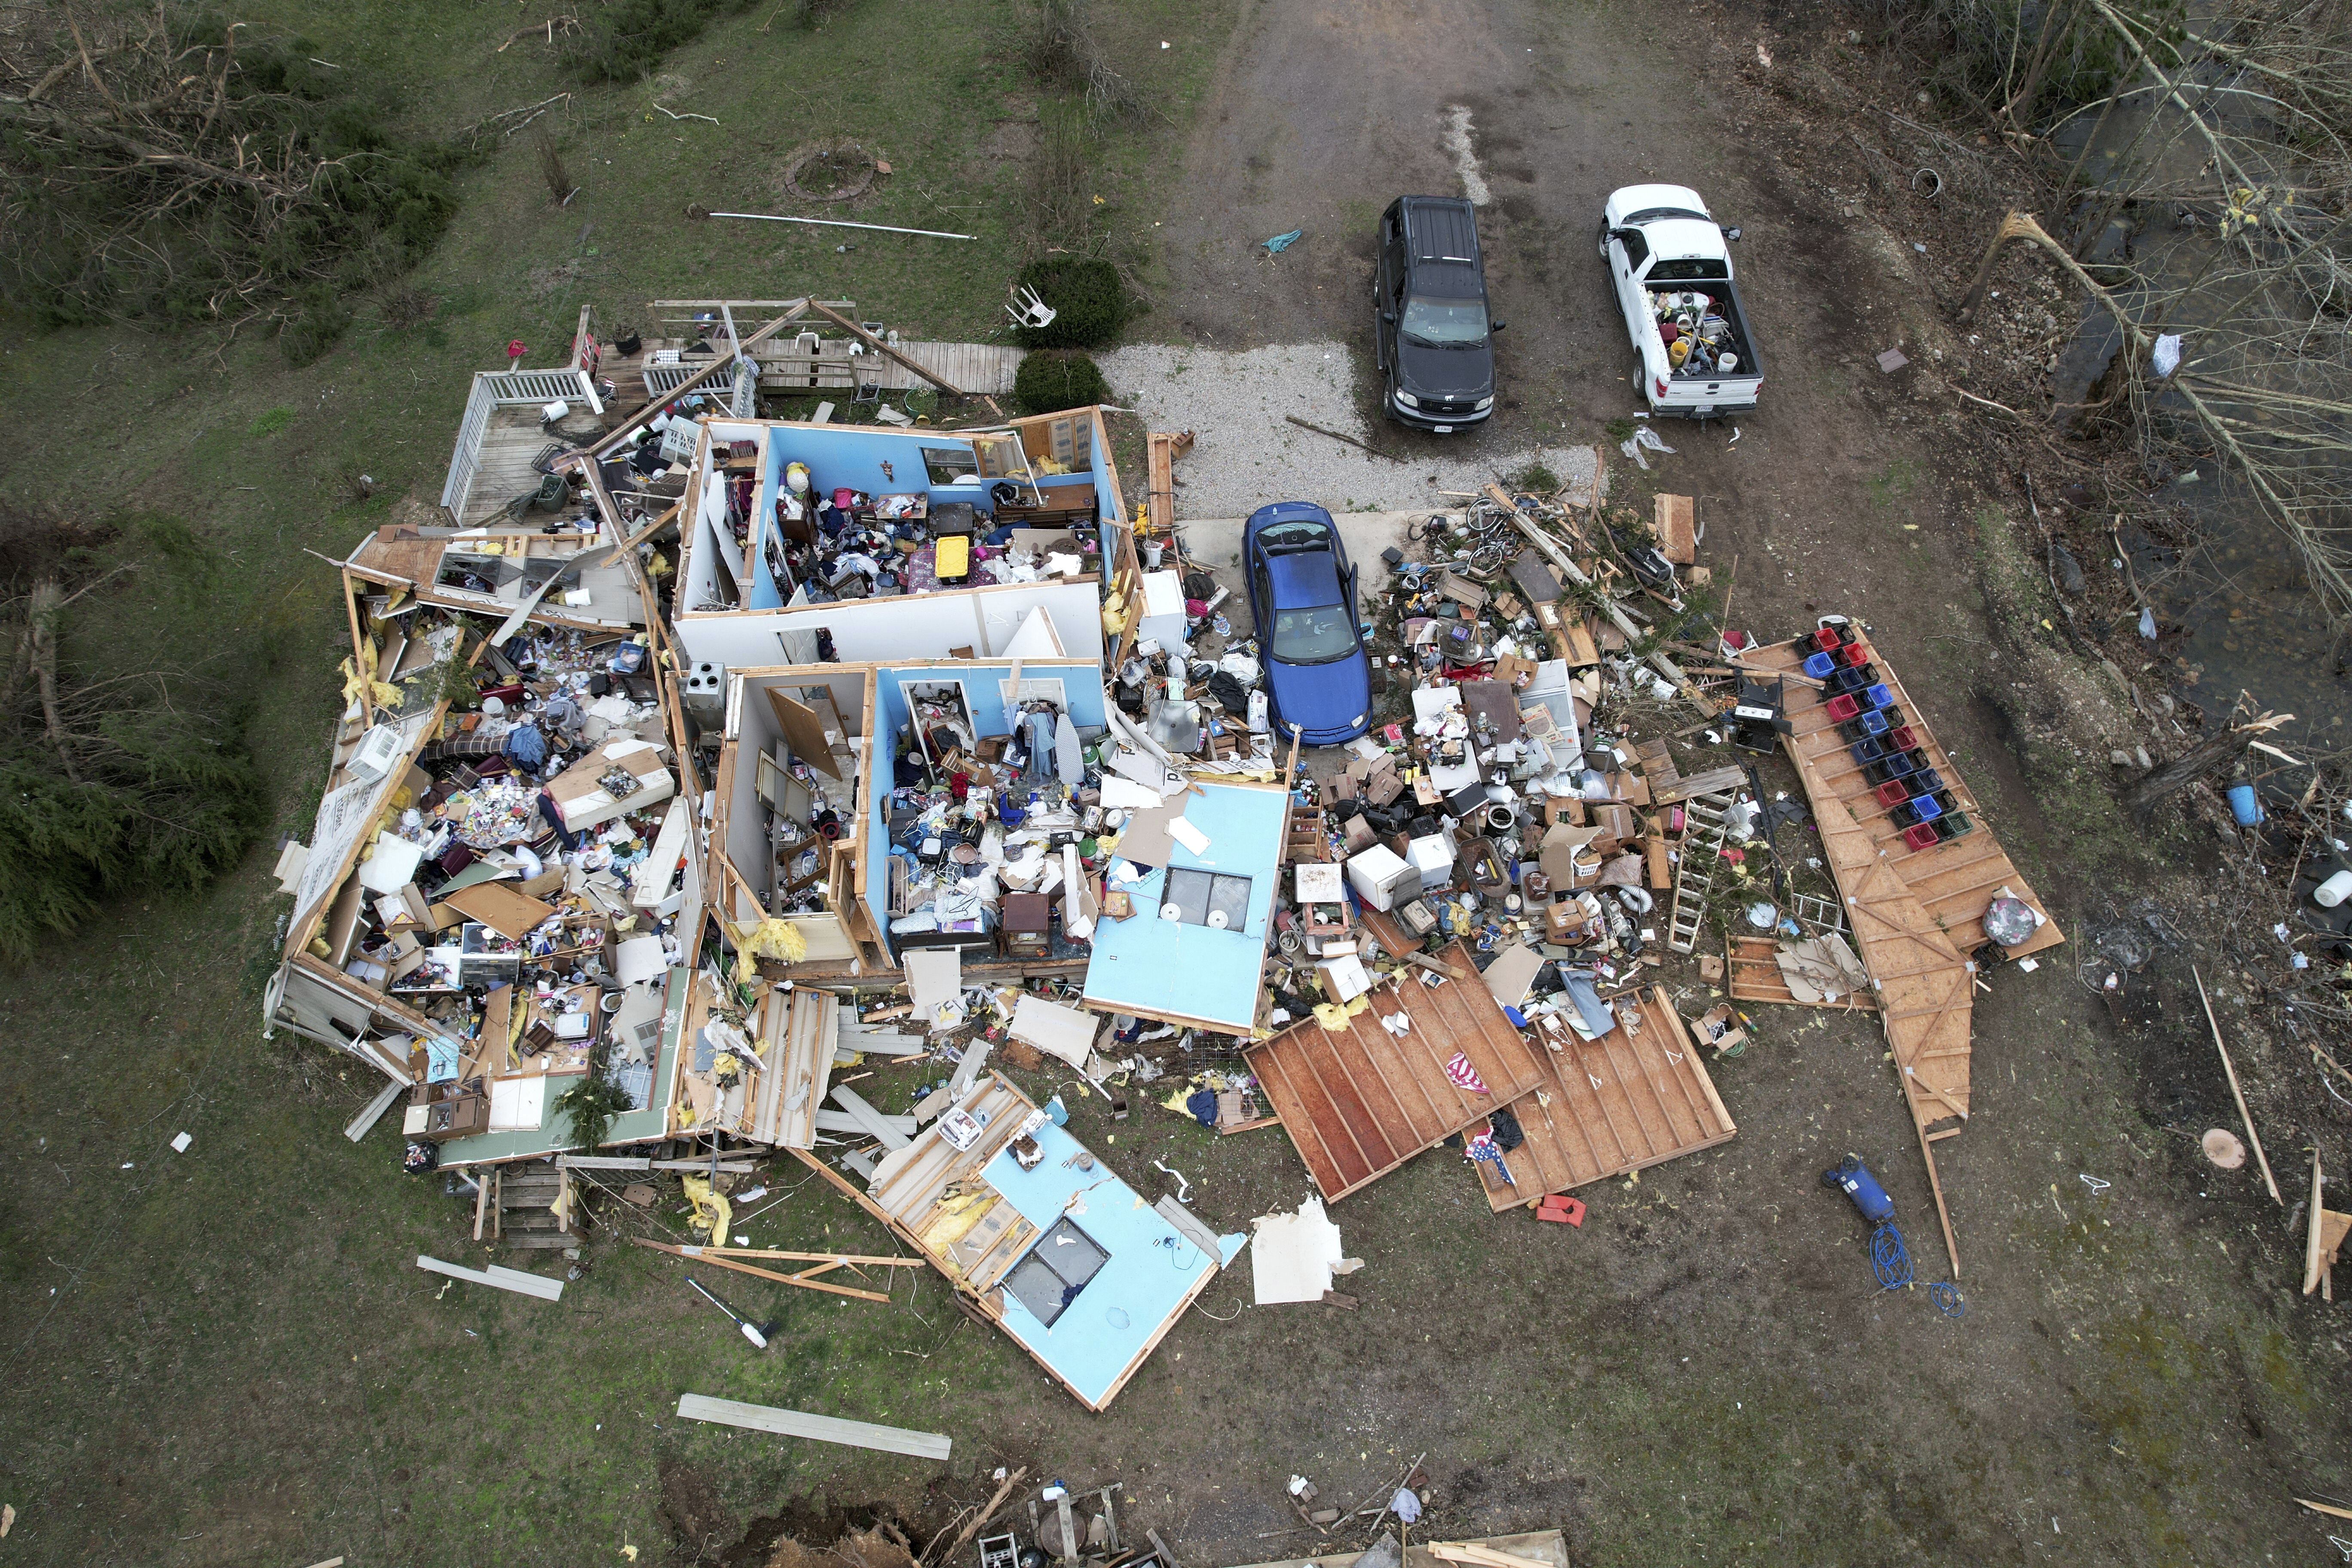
(746, 817)
(906, 626)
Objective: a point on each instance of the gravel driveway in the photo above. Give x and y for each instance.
(1248, 455)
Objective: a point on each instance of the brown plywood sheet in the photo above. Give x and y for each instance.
(1916, 915)
(499, 907)
(1360, 1102)
(805, 731)
(1623, 1102)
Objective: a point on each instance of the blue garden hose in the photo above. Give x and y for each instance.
(1888, 1259)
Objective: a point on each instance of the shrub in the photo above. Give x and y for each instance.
(1090, 303)
(626, 41)
(1053, 379)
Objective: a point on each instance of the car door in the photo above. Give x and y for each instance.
(1627, 253)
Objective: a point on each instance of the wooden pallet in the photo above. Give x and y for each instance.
(1611, 1105)
(1695, 872)
(1358, 1102)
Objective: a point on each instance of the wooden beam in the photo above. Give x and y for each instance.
(833, 1258)
(821, 1428)
(360, 1125)
(514, 1279)
(2311, 1246)
(879, 346)
(2235, 1092)
(1935, 1186)
(620, 432)
(718, 1262)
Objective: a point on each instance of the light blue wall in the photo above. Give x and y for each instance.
(849, 457)
(1082, 688)
(1149, 964)
(1151, 1270)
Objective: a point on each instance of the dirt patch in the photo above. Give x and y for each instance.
(705, 1527)
(835, 169)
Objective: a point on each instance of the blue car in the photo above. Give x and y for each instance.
(1302, 596)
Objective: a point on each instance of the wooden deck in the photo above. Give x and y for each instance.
(1360, 1102)
(503, 471)
(788, 370)
(1609, 1106)
(1916, 915)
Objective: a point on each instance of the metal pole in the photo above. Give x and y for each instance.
(844, 223)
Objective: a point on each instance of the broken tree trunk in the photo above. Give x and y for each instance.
(48, 601)
(2144, 798)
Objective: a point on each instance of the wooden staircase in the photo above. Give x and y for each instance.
(1694, 873)
(519, 1206)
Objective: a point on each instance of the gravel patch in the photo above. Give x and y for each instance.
(1248, 456)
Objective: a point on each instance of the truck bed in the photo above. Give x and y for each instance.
(1698, 387)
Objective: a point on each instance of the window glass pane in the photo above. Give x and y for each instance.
(945, 463)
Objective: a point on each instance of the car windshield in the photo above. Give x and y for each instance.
(1445, 323)
(1285, 537)
(1316, 635)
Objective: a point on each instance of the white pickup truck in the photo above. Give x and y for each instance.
(1671, 268)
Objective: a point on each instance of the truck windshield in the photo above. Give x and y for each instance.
(1316, 635)
(1445, 323)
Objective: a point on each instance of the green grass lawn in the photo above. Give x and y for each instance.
(229, 1355)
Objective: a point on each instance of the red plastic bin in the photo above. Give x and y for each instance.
(1901, 739)
(1854, 654)
(1826, 638)
(1920, 835)
(1842, 708)
(1892, 793)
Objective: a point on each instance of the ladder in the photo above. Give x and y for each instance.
(1702, 853)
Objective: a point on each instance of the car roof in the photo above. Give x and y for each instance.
(1682, 237)
(1642, 198)
(1441, 229)
(1304, 578)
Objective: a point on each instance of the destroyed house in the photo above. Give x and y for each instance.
(804, 543)
(1040, 1238)
(817, 826)
(439, 933)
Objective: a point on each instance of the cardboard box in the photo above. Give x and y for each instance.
(1563, 922)
(580, 798)
(1382, 876)
(1557, 853)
